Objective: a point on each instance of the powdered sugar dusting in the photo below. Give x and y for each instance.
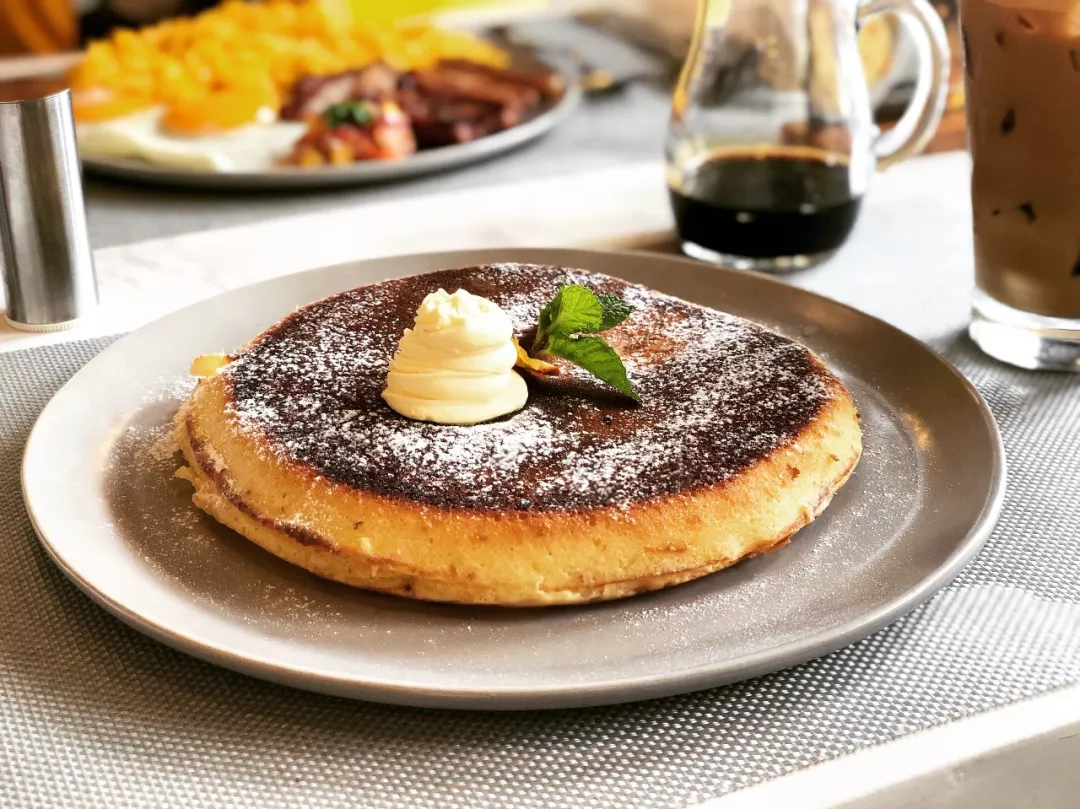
(718, 393)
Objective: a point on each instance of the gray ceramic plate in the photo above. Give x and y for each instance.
(363, 173)
(98, 486)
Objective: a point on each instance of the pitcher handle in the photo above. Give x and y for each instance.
(920, 121)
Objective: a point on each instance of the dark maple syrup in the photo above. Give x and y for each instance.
(767, 204)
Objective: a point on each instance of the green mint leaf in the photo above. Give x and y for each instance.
(576, 310)
(595, 356)
(573, 310)
(360, 113)
(616, 310)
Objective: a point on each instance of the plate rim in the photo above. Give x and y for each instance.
(527, 697)
(432, 161)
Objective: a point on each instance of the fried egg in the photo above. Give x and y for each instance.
(252, 147)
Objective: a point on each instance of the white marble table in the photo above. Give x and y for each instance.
(1016, 756)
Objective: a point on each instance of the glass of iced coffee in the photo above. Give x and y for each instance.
(1022, 64)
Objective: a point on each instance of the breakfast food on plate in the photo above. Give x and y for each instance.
(740, 439)
(352, 131)
(236, 87)
(251, 51)
(141, 135)
(379, 113)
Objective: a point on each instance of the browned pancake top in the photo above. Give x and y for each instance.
(719, 393)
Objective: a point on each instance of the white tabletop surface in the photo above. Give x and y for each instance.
(916, 212)
(1016, 756)
(606, 131)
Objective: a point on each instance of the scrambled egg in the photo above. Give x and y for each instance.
(220, 69)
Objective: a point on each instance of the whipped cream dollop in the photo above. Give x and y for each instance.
(456, 365)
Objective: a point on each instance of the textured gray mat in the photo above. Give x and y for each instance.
(94, 714)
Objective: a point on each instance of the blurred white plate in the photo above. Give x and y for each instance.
(363, 173)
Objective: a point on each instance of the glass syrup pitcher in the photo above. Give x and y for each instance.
(772, 141)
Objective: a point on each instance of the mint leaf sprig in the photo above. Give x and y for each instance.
(358, 113)
(575, 312)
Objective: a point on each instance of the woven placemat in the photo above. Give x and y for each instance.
(94, 714)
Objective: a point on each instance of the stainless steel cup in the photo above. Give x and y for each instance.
(49, 280)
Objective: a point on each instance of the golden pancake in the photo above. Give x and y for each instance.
(742, 438)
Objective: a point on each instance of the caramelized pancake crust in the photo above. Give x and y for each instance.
(742, 439)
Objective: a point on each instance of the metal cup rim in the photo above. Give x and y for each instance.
(66, 92)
